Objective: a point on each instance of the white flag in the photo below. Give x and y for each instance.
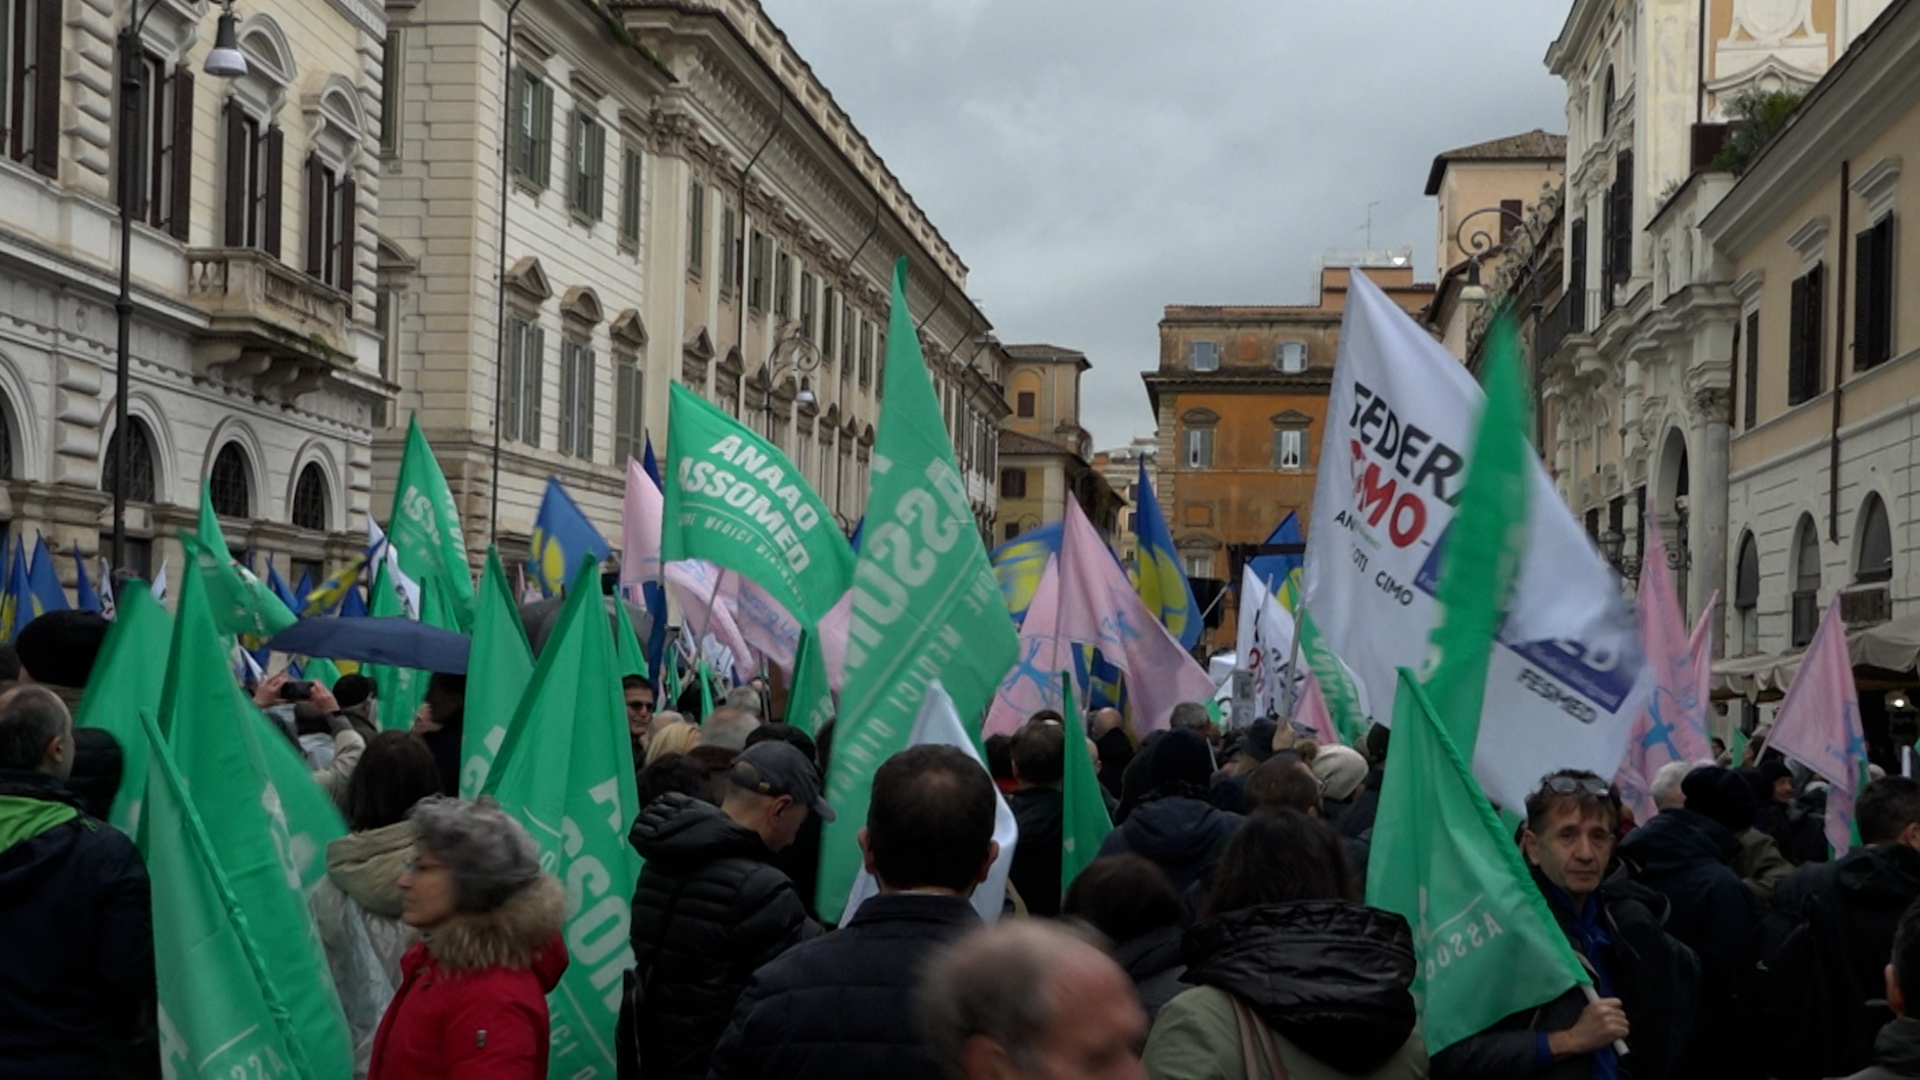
(1262, 650)
(1568, 677)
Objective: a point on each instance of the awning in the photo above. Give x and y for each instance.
(1883, 657)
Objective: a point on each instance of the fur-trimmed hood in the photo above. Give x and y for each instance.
(517, 934)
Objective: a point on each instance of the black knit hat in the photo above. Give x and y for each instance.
(58, 648)
(1721, 796)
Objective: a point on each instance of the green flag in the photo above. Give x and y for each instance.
(810, 694)
(242, 603)
(425, 529)
(126, 681)
(1336, 686)
(566, 771)
(734, 499)
(1483, 544)
(400, 690)
(626, 643)
(1084, 823)
(260, 825)
(926, 605)
(1486, 943)
(220, 1015)
(499, 665)
(670, 679)
(706, 688)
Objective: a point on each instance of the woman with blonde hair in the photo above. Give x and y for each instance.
(671, 735)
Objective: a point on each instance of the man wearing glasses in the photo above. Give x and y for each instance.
(1645, 980)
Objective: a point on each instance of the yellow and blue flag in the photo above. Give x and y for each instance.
(85, 598)
(333, 592)
(561, 535)
(1159, 581)
(44, 580)
(16, 598)
(1018, 564)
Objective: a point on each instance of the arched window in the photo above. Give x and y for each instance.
(310, 499)
(1746, 595)
(1875, 562)
(1806, 580)
(229, 486)
(140, 472)
(1607, 96)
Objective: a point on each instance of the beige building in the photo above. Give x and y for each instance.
(1045, 455)
(683, 201)
(255, 359)
(1486, 194)
(1121, 467)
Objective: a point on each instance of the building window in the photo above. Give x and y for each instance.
(829, 307)
(807, 288)
(1873, 302)
(1203, 355)
(1012, 530)
(331, 206)
(1197, 448)
(1197, 566)
(630, 162)
(848, 320)
(1746, 596)
(1024, 404)
(1806, 581)
(629, 411)
(165, 148)
(253, 162)
(783, 285)
(1607, 97)
(587, 166)
(310, 499)
(532, 129)
(1620, 228)
(393, 66)
(1013, 483)
(1577, 284)
(866, 352)
(229, 488)
(697, 231)
(576, 399)
(1876, 544)
(757, 270)
(1805, 356)
(1290, 357)
(1750, 408)
(520, 390)
(729, 257)
(1290, 448)
(140, 470)
(32, 54)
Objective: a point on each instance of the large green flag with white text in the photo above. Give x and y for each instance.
(220, 1015)
(926, 605)
(734, 499)
(425, 528)
(259, 819)
(566, 771)
(126, 681)
(499, 665)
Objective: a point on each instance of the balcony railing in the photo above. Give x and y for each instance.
(267, 321)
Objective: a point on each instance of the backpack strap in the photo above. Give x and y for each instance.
(1258, 1050)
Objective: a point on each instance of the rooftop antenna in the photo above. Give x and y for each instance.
(1369, 225)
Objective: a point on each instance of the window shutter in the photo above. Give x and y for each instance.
(536, 375)
(542, 134)
(180, 213)
(1797, 343)
(510, 383)
(48, 27)
(1752, 379)
(275, 149)
(597, 169)
(1863, 343)
(517, 109)
(585, 381)
(1816, 328)
(349, 224)
(316, 232)
(238, 158)
(566, 397)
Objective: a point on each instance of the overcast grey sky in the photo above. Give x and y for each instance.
(1093, 161)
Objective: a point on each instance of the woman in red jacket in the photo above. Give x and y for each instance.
(472, 1000)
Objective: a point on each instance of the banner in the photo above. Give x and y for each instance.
(1032, 686)
(1158, 578)
(499, 666)
(424, 528)
(1673, 725)
(1263, 648)
(1818, 725)
(127, 679)
(561, 535)
(1568, 677)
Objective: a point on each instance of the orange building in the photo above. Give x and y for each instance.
(1240, 398)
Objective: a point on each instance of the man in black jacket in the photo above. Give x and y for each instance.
(1039, 762)
(711, 908)
(839, 1008)
(76, 923)
(1645, 979)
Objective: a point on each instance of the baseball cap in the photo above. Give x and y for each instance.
(775, 768)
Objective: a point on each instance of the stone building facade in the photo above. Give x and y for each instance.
(1045, 455)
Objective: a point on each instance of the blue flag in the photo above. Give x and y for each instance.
(279, 586)
(561, 536)
(85, 598)
(44, 581)
(1277, 570)
(304, 588)
(16, 600)
(1159, 581)
(652, 464)
(1018, 564)
(859, 531)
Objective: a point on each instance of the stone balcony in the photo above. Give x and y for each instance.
(270, 326)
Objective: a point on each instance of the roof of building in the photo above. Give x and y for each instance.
(1017, 442)
(1535, 145)
(1048, 353)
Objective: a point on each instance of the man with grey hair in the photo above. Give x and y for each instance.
(76, 942)
(1665, 787)
(1193, 715)
(728, 727)
(1028, 999)
(747, 698)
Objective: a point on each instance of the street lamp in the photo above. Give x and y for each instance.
(225, 61)
(792, 354)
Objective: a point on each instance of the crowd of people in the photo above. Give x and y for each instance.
(1220, 934)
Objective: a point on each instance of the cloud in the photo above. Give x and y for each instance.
(1093, 162)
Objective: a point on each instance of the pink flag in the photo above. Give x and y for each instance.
(640, 517)
(1099, 607)
(1034, 682)
(764, 622)
(1312, 712)
(701, 591)
(1818, 724)
(1673, 724)
(1700, 650)
(834, 626)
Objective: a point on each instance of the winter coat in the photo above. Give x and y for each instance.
(345, 749)
(1153, 961)
(76, 934)
(1655, 977)
(839, 1007)
(472, 1002)
(1824, 944)
(357, 910)
(1035, 873)
(1180, 834)
(710, 910)
(1760, 864)
(1896, 1052)
(1330, 979)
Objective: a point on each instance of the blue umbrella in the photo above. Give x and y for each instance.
(393, 640)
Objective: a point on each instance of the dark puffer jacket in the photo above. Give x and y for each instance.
(1332, 980)
(1181, 834)
(1153, 961)
(1036, 858)
(840, 1007)
(709, 910)
(76, 935)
